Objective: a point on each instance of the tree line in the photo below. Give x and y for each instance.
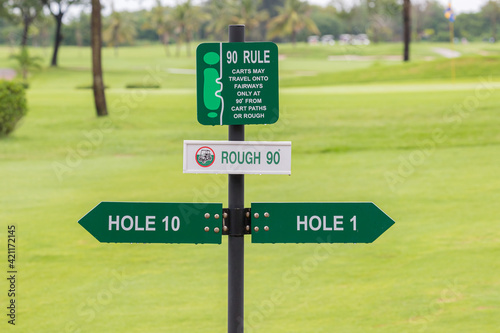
(40, 22)
(22, 21)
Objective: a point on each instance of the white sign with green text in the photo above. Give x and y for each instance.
(238, 157)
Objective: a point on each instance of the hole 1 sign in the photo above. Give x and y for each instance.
(237, 83)
(318, 222)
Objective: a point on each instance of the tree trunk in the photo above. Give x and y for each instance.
(57, 39)
(188, 45)
(178, 47)
(165, 40)
(26, 26)
(98, 85)
(494, 24)
(407, 29)
(79, 37)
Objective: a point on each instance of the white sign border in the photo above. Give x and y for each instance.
(185, 157)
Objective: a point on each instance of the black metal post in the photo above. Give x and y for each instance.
(236, 239)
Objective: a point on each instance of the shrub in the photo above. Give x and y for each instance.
(88, 86)
(142, 86)
(26, 62)
(12, 105)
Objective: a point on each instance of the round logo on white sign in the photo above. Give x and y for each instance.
(205, 157)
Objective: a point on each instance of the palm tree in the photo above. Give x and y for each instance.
(222, 13)
(491, 11)
(26, 62)
(292, 18)
(98, 86)
(187, 19)
(161, 22)
(120, 29)
(250, 16)
(406, 29)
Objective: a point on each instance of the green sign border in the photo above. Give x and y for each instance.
(371, 222)
(191, 215)
(209, 57)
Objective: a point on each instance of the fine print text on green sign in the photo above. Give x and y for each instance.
(237, 83)
(155, 222)
(318, 222)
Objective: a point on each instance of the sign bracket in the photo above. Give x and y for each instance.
(226, 222)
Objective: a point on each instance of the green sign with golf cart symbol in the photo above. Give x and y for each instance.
(237, 83)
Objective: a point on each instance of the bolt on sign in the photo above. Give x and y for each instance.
(237, 83)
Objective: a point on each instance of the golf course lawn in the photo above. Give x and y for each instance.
(425, 150)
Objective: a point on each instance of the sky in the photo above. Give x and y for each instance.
(459, 6)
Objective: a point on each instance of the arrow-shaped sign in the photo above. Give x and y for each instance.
(318, 222)
(155, 222)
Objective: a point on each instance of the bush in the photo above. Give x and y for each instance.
(142, 86)
(88, 86)
(12, 105)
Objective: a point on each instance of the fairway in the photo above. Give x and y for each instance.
(426, 150)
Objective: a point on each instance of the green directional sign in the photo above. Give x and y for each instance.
(318, 222)
(155, 222)
(237, 83)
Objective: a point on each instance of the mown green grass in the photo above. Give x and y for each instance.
(133, 65)
(435, 270)
(465, 68)
(419, 51)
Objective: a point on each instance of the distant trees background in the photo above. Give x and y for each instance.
(381, 20)
(57, 8)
